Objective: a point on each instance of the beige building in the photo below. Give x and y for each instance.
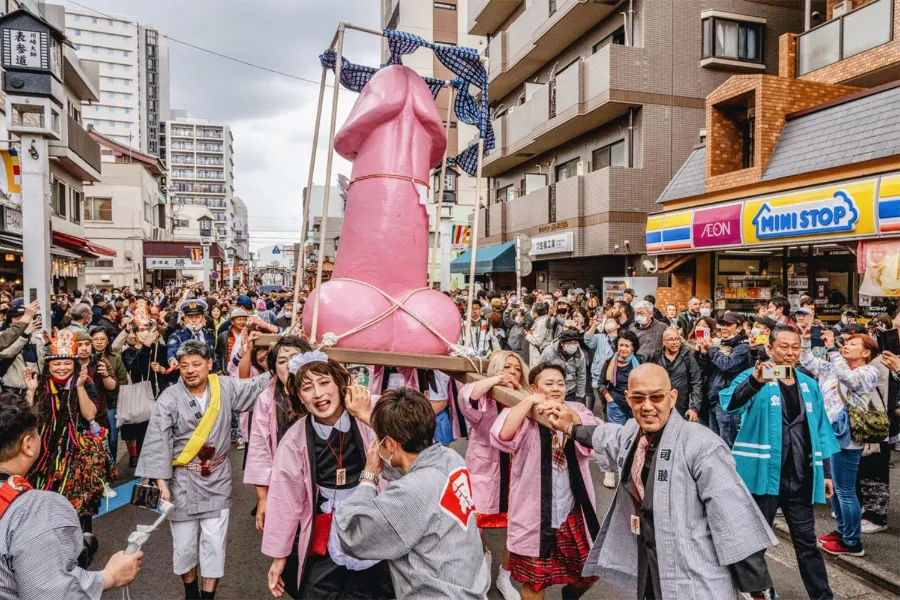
(595, 106)
(442, 22)
(122, 210)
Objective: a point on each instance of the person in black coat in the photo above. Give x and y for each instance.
(684, 373)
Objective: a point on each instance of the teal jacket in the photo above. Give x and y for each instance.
(757, 450)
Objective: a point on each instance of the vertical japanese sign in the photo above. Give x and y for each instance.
(25, 49)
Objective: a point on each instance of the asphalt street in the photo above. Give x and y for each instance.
(246, 566)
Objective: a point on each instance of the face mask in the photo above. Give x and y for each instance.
(845, 320)
(610, 326)
(570, 348)
(520, 320)
(705, 312)
(196, 327)
(755, 332)
(562, 310)
(717, 341)
(641, 319)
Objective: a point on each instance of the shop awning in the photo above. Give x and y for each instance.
(63, 253)
(81, 245)
(500, 258)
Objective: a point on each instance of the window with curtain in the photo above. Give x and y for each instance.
(731, 39)
(98, 209)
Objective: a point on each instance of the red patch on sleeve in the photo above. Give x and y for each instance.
(456, 501)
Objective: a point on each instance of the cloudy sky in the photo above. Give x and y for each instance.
(271, 115)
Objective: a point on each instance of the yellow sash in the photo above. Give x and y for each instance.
(198, 438)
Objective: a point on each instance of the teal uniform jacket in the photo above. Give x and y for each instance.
(757, 450)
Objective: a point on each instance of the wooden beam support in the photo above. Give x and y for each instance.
(505, 396)
(403, 359)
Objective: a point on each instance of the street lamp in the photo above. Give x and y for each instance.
(450, 177)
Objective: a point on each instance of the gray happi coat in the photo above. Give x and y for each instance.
(171, 425)
(432, 553)
(704, 517)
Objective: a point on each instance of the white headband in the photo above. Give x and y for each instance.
(307, 357)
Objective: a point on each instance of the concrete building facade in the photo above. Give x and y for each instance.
(595, 106)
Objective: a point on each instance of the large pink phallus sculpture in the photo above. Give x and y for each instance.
(393, 136)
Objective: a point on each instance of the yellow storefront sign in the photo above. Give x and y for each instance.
(839, 211)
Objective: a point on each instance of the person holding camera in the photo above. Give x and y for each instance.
(785, 466)
(44, 553)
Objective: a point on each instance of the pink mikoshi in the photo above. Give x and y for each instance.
(393, 136)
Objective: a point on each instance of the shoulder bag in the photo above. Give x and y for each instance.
(135, 401)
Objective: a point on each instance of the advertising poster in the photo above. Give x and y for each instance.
(880, 261)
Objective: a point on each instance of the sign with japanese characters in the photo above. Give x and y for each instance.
(456, 501)
(553, 244)
(25, 50)
(156, 264)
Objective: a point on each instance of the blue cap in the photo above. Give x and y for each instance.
(244, 301)
(194, 306)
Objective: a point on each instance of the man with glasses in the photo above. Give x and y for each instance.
(684, 373)
(666, 462)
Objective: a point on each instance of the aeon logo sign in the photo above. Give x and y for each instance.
(828, 215)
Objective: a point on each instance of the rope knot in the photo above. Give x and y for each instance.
(330, 339)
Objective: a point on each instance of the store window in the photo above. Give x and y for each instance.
(732, 39)
(612, 155)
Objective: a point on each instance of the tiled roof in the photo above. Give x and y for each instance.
(863, 129)
(690, 180)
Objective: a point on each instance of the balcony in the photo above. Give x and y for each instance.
(581, 98)
(856, 31)
(78, 153)
(485, 16)
(540, 33)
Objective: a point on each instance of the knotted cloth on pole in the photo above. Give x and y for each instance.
(465, 63)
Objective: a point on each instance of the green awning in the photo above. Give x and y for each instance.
(500, 258)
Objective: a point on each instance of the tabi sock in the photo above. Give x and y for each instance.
(205, 594)
(192, 590)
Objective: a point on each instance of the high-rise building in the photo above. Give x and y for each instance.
(201, 172)
(595, 106)
(442, 22)
(134, 75)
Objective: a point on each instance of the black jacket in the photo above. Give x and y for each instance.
(222, 350)
(686, 377)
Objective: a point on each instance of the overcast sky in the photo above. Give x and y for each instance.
(271, 116)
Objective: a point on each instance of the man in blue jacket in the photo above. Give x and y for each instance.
(723, 361)
(782, 449)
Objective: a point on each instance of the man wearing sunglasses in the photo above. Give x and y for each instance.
(678, 491)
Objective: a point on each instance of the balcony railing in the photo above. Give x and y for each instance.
(82, 144)
(857, 31)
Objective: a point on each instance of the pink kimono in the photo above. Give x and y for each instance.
(291, 502)
(524, 530)
(410, 378)
(482, 459)
(263, 439)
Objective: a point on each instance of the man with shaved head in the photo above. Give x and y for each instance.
(682, 524)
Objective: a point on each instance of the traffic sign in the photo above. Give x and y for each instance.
(525, 266)
(524, 245)
(215, 275)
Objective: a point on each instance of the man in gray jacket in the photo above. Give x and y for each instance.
(648, 330)
(423, 523)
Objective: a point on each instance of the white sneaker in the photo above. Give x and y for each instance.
(609, 480)
(870, 527)
(240, 443)
(108, 492)
(505, 586)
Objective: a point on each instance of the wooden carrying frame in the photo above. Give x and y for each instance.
(461, 369)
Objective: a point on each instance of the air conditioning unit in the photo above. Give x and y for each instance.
(105, 278)
(841, 9)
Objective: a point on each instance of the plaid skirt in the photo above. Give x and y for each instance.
(566, 561)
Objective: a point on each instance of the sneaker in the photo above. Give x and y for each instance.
(240, 443)
(834, 536)
(505, 586)
(840, 548)
(779, 514)
(609, 480)
(833, 516)
(870, 527)
(108, 492)
(132, 462)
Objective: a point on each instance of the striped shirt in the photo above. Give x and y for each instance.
(40, 540)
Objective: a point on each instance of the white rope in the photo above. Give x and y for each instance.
(331, 339)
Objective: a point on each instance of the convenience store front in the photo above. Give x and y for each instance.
(785, 244)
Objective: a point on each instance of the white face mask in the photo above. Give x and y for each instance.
(755, 332)
(520, 320)
(570, 348)
(705, 312)
(610, 326)
(196, 327)
(641, 319)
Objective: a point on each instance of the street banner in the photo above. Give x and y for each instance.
(196, 254)
(11, 176)
(880, 261)
(460, 238)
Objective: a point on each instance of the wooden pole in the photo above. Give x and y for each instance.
(328, 165)
(300, 261)
(474, 242)
(506, 396)
(440, 206)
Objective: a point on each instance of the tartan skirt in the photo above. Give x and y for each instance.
(566, 561)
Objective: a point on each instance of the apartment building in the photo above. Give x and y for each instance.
(443, 22)
(123, 210)
(797, 187)
(199, 156)
(134, 75)
(595, 106)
